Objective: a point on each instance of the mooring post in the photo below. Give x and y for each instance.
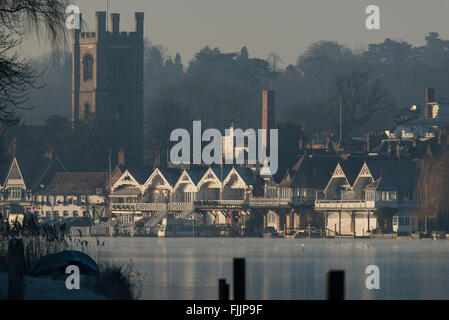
(239, 279)
(223, 290)
(336, 285)
(16, 270)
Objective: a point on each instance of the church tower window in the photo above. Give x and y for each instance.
(88, 67)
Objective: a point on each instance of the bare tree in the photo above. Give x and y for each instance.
(432, 190)
(44, 17)
(360, 97)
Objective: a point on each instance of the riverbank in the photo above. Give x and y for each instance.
(46, 288)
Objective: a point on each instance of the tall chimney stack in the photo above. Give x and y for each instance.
(121, 157)
(430, 100)
(268, 114)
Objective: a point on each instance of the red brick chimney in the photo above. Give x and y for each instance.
(13, 146)
(373, 139)
(268, 113)
(430, 99)
(121, 157)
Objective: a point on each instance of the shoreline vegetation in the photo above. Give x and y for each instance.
(114, 281)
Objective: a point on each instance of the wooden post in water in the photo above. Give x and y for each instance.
(16, 270)
(336, 285)
(223, 290)
(239, 279)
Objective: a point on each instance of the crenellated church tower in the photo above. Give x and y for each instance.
(107, 78)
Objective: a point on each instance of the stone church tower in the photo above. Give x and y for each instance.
(107, 78)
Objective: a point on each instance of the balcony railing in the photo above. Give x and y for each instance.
(269, 202)
(343, 204)
(361, 204)
(123, 206)
(180, 206)
(219, 203)
(152, 206)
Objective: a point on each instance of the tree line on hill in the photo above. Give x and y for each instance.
(220, 87)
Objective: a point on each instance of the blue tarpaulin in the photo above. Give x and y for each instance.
(59, 261)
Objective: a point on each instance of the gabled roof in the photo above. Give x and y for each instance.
(33, 168)
(127, 178)
(215, 176)
(313, 172)
(196, 173)
(221, 173)
(401, 175)
(171, 174)
(351, 167)
(380, 168)
(248, 176)
(141, 174)
(76, 183)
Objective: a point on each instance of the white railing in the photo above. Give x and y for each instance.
(123, 206)
(152, 206)
(344, 204)
(180, 206)
(212, 203)
(232, 202)
(362, 204)
(263, 202)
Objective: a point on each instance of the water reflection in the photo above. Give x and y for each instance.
(186, 268)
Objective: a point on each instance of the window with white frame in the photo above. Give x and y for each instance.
(15, 193)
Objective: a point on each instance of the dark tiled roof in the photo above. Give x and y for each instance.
(171, 174)
(351, 167)
(394, 174)
(76, 183)
(196, 173)
(439, 122)
(372, 125)
(141, 174)
(379, 168)
(5, 164)
(33, 168)
(248, 176)
(314, 171)
(218, 172)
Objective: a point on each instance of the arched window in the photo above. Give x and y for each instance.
(88, 67)
(86, 111)
(119, 68)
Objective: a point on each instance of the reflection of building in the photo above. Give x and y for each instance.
(107, 78)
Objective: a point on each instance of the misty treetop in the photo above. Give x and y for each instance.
(219, 87)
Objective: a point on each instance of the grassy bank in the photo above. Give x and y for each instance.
(114, 280)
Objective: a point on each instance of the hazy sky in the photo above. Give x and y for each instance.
(286, 27)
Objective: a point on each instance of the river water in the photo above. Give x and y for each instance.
(188, 268)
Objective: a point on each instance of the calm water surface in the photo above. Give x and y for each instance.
(187, 268)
